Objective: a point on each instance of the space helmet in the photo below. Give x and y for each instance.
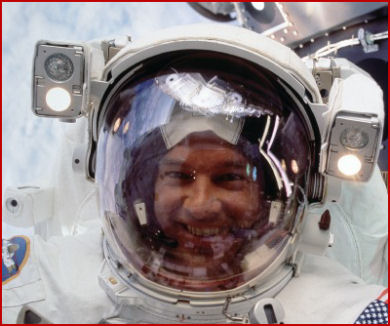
(203, 162)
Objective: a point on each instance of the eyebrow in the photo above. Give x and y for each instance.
(181, 163)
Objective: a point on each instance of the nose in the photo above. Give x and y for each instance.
(201, 200)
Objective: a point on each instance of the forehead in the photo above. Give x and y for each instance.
(204, 150)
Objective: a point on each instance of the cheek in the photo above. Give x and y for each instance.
(245, 205)
(166, 202)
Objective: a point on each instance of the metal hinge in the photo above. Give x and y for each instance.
(325, 72)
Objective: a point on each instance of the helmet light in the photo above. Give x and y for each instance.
(354, 138)
(59, 67)
(353, 146)
(59, 80)
(349, 165)
(58, 99)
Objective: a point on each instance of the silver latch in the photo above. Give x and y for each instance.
(267, 311)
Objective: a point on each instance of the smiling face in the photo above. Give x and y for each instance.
(206, 194)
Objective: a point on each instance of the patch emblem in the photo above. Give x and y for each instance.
(15, 253)
(375, 313)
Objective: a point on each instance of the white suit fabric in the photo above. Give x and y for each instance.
(65, 288)
(360, 228)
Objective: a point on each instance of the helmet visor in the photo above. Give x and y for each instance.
(199, 162)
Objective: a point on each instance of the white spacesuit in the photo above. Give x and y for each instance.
(219, 174)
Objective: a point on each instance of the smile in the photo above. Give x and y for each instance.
(203, 232)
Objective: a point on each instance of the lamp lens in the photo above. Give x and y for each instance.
(349, 164)
(58, 99)
(59, 67)
(354, 138)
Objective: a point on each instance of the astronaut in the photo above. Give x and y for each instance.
(215, 158)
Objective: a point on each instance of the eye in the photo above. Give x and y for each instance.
(178, 175)
(229, 177)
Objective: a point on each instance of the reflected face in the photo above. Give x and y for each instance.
(205, 193)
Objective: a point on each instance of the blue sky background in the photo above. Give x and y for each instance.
(29, 143)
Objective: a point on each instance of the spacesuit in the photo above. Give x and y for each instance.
(216, 165)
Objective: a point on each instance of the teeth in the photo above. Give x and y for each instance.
(203, 231)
